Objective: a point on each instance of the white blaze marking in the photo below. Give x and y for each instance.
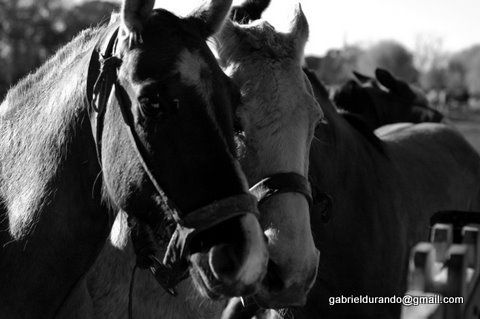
(194, 72)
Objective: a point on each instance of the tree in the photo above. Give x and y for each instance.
(434, 79)
(389, 55)
(429, 54)
(432, 62)
(473, 76)
(32, 30)
(336, 66)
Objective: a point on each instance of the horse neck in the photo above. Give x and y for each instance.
(48, 168)
(47, 121)
(338, 148)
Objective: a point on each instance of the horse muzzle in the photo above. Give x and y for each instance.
(281, 289)
(285, 200)
(229, 258)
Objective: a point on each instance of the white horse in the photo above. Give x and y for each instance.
(384, 187)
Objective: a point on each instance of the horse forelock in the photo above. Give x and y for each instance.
(238, 40)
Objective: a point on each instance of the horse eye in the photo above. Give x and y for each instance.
(150, 107)
(155, 107)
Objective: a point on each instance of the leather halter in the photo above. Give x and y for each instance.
(101, 81)
(293, 183)
(282, 183)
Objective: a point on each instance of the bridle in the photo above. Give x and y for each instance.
(292, 182)
(101, 81)
(282, 183)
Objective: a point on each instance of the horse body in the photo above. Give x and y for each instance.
(382, 205)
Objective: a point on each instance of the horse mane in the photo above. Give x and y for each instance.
(359, 124)
(22, 92)
(40, 116)
(316, 82)
(350, 98)
(352, 119)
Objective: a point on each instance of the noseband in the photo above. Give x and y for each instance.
(293, 183)
(101, 81)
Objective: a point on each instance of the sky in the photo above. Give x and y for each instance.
(333, 23)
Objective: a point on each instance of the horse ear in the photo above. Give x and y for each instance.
(249, 10)
(299, 30)
(362, 78)
(386, 79)
(211, 16)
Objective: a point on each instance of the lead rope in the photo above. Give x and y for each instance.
(143, 242)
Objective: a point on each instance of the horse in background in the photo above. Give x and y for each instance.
(384, 100)
(155, 141)
(384, 192)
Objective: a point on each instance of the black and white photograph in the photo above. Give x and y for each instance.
(239, 159)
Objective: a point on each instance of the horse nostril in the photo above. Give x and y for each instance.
(224, 262)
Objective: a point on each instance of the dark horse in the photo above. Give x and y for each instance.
(375, 105)
(162, 147)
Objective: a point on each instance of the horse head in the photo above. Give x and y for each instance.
(412, 97)
(278, 114)
(166, 144)
(384, 100)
